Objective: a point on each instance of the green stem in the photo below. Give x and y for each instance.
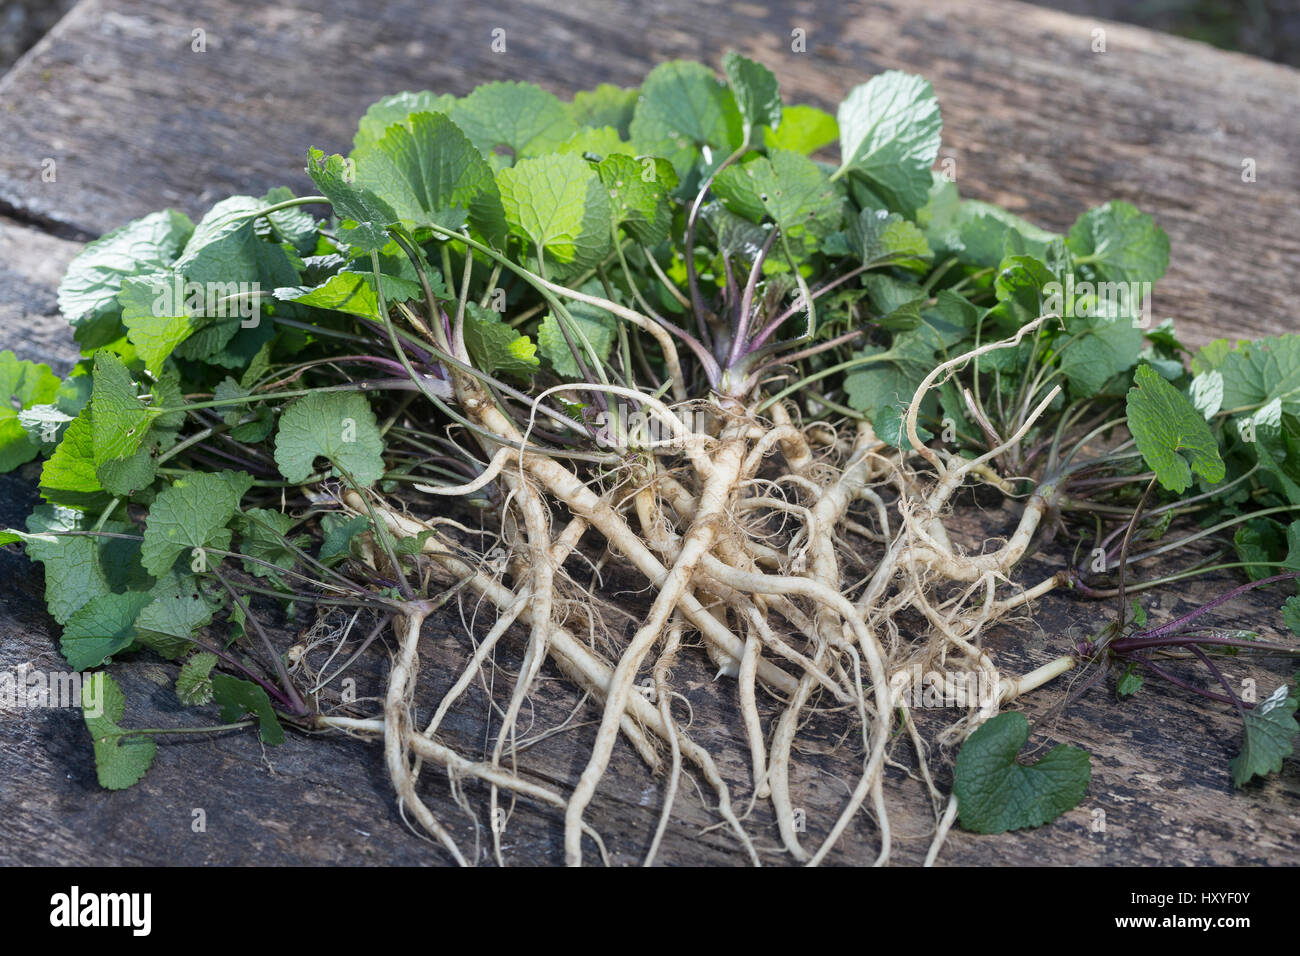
(858, 362)
(285, 682)
(367, 386)
(156, 731)
(1205, 533)
(287, 204)
(1182, 576)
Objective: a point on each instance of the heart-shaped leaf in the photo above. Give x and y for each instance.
(996, 793)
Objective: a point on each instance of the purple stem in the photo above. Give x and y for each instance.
(1092, 682)
(1180, 623)
(1185, 685)
(810, 351)
(733, 291)
(1223, 681)
(446, 323)
(747, 299)
(711, 369)
(815, 294)
(234, 662)
(252, 467)
(1128, 644)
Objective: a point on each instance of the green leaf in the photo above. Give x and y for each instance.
(120, 761)
(900, 298)
(398, 277)
(904, 317)
(891, 427)
(598, 142)
(889, 136)
(239, 697)
(638, 194)
(954, 310)
(68, 477)
(735, 188)
(736, 236)
(597, 326)
(350, 292)
(73, 573)
(1211, 356)
(757, 95)
(1130, 683)
(293, 225)
(44, 425)
(796, 193)
(102, 626)
(191, 514)
(339, 532)
(1206, 393)
(1270, 729)
(396, 109)
(606, 105)
(125, 477)
(1095, 350)
(1292, 562)
(1276, 449)
(78, 567)
(264, 536)
(1171, 435)
(803, 129)
(985, 233)
(224, 245)
(193, 683)
(983, 241)
(430, 173)
(156, 317)
(881, 238)
(788, 187)
(251, 422)
(996, 793)
(364, 216)
(88, 292)
(557, 203)
(1139, 612)
(1019, 288)
(1291, 613)
(682, 108)
(1258, 542)
(513, 119)
(413, 544)
(178, 608)
(339, 426)
(1257, 372)
(121, 420)
(165, 314)
(22, 385)
(1123, 244)
(891, 381)
(495, 346)
(224, 264)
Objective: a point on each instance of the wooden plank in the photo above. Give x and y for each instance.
(1035, 120)
(31, 263)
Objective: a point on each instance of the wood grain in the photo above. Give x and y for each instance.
(135, 120)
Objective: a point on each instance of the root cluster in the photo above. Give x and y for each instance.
(814, 566)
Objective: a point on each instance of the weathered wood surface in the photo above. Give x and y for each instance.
(1036, 120)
